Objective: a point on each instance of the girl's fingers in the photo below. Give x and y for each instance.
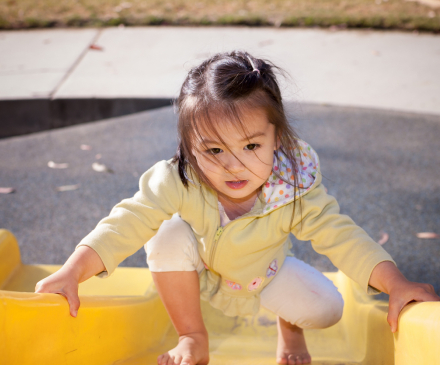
(63, 285)
(73, 300)
(74, 303)
(41, 287)
(72, 312)
(159, 359)
(426, 295)
(393, 315)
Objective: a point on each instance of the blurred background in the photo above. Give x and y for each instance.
(86, 91)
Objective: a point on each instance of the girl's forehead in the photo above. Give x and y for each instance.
(248, 124)
(235, 131)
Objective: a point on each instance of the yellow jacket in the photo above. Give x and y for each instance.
(243, 256)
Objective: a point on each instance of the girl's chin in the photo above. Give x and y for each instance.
(238, 196)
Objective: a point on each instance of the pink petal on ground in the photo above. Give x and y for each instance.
(85, 147)
(427, 235)
(67, 187)
(7, 190)
(96, 47)
(384, 238)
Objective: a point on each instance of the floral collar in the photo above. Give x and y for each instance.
(276, 192)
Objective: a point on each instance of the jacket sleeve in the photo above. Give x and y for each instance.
(335, 235)
(134, 221)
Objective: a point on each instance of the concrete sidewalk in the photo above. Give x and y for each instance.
(373, 69)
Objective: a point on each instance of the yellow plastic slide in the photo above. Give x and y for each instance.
(122, 321)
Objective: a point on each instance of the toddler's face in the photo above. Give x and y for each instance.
(256, 153)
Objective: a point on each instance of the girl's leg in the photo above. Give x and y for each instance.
(302, 297)
(180, 293)
(291, 348)
(175, 265)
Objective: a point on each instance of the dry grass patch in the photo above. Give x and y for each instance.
(380, 14)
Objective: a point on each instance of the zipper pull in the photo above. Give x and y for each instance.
(218, 233)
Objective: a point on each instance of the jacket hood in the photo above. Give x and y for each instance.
(278, 192)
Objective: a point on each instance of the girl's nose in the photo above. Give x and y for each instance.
(233, 165)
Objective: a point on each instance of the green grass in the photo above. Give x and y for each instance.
(376, 14)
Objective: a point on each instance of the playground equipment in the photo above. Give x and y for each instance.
(122, 321)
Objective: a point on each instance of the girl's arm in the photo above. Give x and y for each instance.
(130, 224)
(133, 222)
(81, 265)
(387, 278)
(354, 252)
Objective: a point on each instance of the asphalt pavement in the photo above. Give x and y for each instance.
(380, 165)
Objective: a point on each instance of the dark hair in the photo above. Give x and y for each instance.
(226, 85)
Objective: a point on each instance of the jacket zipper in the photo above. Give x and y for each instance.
(221, 229)
(214, 248)
(218, 233)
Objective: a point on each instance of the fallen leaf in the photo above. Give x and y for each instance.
(427, 235)
(67, 187)
(100, 167)
(7, 190)
(96, 47)
(54, 165)
(384, 238)
(85, 147)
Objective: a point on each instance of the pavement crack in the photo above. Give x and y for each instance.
(75, 64)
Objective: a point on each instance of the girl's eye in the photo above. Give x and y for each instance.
(252, 146)
(214, 151)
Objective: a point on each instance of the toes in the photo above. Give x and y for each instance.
(298, 359)
(170, 361)
(162, 359)
(281, 360)
(307, 359)
(187, 360)
(294, 360)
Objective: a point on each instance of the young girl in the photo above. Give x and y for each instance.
(217, 219)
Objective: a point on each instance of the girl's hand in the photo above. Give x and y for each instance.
(81, 265)
(62, 282)
(387, 278)
(404, 292)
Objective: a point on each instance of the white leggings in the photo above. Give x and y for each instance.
(299, 293)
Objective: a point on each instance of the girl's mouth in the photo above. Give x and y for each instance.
(237, 184)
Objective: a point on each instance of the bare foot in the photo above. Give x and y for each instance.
(192, 349)
(292, 348)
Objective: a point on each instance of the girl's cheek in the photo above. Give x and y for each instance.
(208, 164)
